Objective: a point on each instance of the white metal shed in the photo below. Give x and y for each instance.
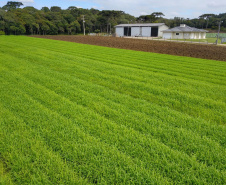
(140, 30)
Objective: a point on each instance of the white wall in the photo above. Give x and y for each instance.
(135, 31)
(196, 35)
(146, 31)
(192, 35)
(200, 35)
(180, 36)
(184, 35)
(119, 31)
(203, 35)
(187, 35)
(167, 35)
(162, 28)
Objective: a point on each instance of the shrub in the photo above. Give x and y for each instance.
(2, 33)
(97, 31)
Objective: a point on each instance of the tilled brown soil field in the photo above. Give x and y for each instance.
(173, 48)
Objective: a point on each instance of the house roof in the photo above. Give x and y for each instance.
(184, 28)
(140, 25)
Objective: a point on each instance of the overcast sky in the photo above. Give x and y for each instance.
(171, 8)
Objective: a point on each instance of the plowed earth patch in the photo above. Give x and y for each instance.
(173, 48)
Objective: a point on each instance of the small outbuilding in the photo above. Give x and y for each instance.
(140, 30)
(184, 32)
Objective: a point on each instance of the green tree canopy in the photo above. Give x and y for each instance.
(55, 9)
(54, 20)
(12, 5)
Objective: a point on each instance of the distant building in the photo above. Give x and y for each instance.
(140, 30)
(184, 32)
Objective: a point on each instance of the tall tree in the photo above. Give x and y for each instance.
(75, 27)
(206, 17)
(45, 9)
(12, 5)
(55, 9)
(157, 14)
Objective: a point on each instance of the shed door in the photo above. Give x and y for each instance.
(127, 31)
(154, 31)
(146, 31)
(119, 31)
(135, 31)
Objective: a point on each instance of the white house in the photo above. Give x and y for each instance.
(184, 32)
(140, 30)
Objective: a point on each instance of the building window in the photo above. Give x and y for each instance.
(177, 33)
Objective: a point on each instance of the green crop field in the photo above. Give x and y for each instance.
(80, 114)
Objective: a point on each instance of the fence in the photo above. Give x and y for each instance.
(211, 39)
(223, 40)
(197, 41)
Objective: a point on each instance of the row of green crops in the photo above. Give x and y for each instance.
(214, 35)
(79, 114)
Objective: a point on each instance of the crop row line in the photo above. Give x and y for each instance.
(104, 129)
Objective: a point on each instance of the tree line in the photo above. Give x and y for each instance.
(54, 20)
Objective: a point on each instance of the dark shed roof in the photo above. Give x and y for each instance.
(140, 25)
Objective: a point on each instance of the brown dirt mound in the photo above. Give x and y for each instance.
(173, 48)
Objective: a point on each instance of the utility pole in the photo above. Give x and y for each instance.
(109, 30)
(219, 27)
(128, 29)
(83, 18)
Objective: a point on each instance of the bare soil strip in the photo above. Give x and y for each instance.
(212, 52)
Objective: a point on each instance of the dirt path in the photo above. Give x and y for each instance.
(181, 49)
